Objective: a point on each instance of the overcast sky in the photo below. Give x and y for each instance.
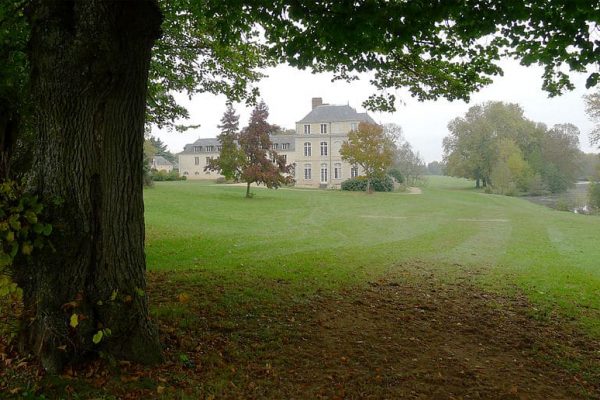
(288, 94)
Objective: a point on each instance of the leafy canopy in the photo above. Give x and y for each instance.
(435, 49)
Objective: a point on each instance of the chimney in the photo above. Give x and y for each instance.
(316, 102)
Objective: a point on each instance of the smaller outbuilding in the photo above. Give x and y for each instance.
(160, 163)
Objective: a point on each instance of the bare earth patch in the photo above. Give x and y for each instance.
(409, 336)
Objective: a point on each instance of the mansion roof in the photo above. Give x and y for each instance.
(331, 113)
(212, 143)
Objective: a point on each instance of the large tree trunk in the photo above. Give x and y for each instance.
(89, 62)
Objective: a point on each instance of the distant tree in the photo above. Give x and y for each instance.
(396, 174)
(371, 148)
(594, 195)
(592, 109)
(251, 159)
(149, 152)
(162, 149)
(589, 166)
(435, 168)
(231, 156)
(468, 150)
(561, 155)
(410, 163)
(510, 171)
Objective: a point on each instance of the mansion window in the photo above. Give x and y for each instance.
(219, 148)
(210, 148)
(354, 126)
(274, 146)
(285, 146)
(307, 129)
(323, 128)
(197, 149)
(323, 148)
(284, 156)
(307, 149)
(323, 173)
(354, 172)
(337, 171)
(307, 172)
(208, 160)
(196, 160)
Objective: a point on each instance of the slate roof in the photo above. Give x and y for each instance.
(279, 139)
(160, 160)
(330, 113)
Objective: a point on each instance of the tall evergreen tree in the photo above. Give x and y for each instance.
(161, 149)
(231, 157)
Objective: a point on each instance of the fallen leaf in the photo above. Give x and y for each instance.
(183, 298)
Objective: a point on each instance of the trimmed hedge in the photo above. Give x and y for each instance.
(165, 176)
(359, 184)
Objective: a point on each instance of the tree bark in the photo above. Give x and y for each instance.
(89, 61)
(248, 190)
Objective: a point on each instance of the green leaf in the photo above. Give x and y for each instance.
(97, 337)
(47, 230)
(113, 296)
(74, 321)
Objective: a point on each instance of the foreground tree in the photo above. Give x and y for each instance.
(88, 66)
(89, 97)
(370, 148)
(249, 156)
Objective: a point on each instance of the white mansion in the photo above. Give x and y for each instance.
(314, 149)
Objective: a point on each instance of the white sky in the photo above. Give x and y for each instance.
(288, 94)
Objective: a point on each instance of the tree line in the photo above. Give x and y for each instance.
(495, 145)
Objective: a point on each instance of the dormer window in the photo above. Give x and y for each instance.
(197, 149)
(307, 129)
(210, 148)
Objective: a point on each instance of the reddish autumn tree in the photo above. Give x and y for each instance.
(254, 160)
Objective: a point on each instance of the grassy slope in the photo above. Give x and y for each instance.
(321, 240)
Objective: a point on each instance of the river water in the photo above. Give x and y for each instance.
(575, 199)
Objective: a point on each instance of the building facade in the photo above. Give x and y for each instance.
(314, 150)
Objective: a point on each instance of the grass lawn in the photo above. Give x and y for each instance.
(318, 240)
(295, 293)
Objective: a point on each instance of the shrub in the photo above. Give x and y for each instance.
(359, 184)
(396, 174)
(594, 195)
(563, 204)
(162, 175)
